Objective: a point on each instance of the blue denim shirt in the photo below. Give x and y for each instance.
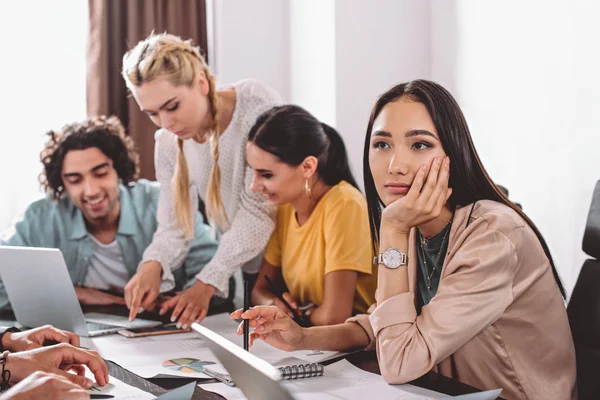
(59, 224)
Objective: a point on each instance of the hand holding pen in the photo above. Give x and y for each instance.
(287, 300)
(246, 307)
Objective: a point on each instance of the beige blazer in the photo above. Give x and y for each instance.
(498, 319)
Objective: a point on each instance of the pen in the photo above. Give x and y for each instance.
(299, 319)
(99, 395)
(246, 306)
(220, 378)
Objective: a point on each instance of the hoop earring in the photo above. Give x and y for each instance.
(308, 190)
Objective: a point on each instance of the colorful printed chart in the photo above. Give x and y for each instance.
(186, 365)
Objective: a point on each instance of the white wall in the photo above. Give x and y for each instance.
(529, 85)
(379, 44)
(251, 40)
(443, 42)
(313, 57)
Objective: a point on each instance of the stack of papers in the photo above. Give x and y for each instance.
(122, 391)
(185, 354)
(341, 380)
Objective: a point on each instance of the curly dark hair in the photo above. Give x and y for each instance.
(105, 133)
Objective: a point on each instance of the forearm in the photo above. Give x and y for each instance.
(170, 245)
(338, 299)
(323, 316)
(341, 337)
(262, 297)
(202, 250)
(19, 367)
(391, 282)
(244, 241)
(167, 250)
(218, 271)
(167, 261)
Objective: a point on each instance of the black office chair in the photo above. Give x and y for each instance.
(584, 308)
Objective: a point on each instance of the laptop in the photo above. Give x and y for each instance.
(255, 377)
(41, 292)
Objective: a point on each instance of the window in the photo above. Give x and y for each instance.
(42, 87)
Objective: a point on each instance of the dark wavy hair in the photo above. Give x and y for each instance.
(469, 180)
(291, 134)
(105, 133)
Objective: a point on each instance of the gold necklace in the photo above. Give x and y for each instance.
(437, 258)
(426, 240)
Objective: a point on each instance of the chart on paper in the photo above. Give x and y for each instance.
(186, 365)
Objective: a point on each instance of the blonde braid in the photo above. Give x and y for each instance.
(180, 61)
(181, 195)
(214, 202)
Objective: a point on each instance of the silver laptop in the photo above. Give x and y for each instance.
(255, 377)
(41, 292)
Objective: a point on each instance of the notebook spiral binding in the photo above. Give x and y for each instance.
(301, 371)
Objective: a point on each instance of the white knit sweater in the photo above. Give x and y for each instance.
(251, 217)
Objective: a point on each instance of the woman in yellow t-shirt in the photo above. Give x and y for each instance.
(320, 253)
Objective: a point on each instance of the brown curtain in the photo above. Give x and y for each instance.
(114, 27)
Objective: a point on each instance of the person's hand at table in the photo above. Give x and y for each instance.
(273, 325)
(59, 360)
(95, 297)
(290, 300)
(142, 290)
(189, 305)
(44, 385)
(34, 338)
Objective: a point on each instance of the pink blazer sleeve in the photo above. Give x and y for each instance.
(363, 321)
(475, 290)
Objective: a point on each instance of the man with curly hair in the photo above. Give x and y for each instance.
(98, 214)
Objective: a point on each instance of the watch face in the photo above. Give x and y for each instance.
(392, 258)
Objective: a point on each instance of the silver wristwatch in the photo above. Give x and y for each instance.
(391, 258)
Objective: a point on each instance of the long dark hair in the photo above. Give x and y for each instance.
(468, 178)
(291, 134)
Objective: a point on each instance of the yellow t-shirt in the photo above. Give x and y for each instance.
(335, 237)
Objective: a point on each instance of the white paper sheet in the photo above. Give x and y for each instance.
(123, 391)
(341, 380)
(119, 389)
(149, 358)
(184, 354)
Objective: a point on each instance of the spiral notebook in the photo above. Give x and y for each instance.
(287, 368)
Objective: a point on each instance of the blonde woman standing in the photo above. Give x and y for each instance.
(200, 152)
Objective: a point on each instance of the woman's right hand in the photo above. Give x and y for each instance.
(290, 300)
(143, 288)
(274, 326)
(44, 385)
(58, 359)
(424, 201)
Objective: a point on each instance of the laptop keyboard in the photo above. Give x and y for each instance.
(92, 326)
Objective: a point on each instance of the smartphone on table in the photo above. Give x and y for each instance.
(152, 331)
